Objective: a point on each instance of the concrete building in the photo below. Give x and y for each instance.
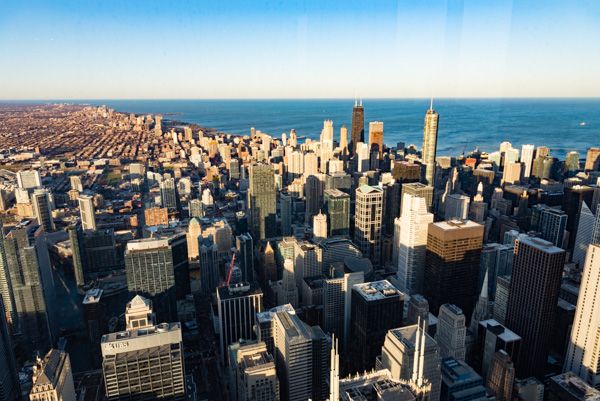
(451, 332)
(319, 227)
(501, 302)
(457, 207)
(168, 194)
(367, 222)
(527, 152)
(87, 212)
(238, 305)
(501, 376)
(460, 382)
(53, 378)
(420, 190)
(142, 353)
(569, 387)
(287, 292)
(42, 209)
(255, 377)
(376, 137)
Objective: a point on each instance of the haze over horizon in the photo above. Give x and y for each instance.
(63, 50)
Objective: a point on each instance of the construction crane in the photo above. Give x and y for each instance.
(229, 274)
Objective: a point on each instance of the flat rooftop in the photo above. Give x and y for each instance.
(377, 290)
(541, 244)
(238, 290)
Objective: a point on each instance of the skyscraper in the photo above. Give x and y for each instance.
(451, 332)
(42, 209)
(376, 137)
(86, 209)
(168, 194)
(337, 209)
(30, 272)
(367, 222)
(583, 354)
(585, 232)
(319, 227)
(9, 379)
(527, 152)
(430, 132)
(255, 374)
(592, 160)
(420, 190)
(344, 142)
(314, 195)
(451, 264)
(501, 376)
(53, 378)
(376, 308)
(245, 256)
(142, 353)
(157, 268)
(460, 381)
(363, 157)
(96, 321)
(357, 133)
(411, 244)
(262, 202)
(287, 292)
(534, 287)
(457, 207)
(552, 226)
(238, 305)
(285, 201)
(29, 179)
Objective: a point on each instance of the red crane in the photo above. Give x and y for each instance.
(230, 270)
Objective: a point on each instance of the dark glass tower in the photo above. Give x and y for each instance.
(262, 202)
(534, 288)
(358, 126)
(430, 132)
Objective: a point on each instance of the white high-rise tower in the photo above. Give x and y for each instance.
(583, 355)
(527, 152)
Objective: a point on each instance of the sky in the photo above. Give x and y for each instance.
(298, 49)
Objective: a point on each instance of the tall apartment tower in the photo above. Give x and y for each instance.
(53, 378)
(42, 209)
(430, 132)
(9, 379)
(367, 222)
(501, 376)
(28, 263)
(157, 268)
(363, 157)
(534, 288)
(141, 353)
(245, 256)
(452, 264)
(583, 355)
(87, 212)
(337, 209)
(285, 201)
(376, 308)
(314, 195)
(552, 226)
(168, 194)
(262, 202)
(357, 134)
(238, 305)
(319, 227)
(451, 332)
(527, 153)
(410, 354)
(410, 243)
(376, 137)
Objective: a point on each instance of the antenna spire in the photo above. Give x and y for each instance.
(431, 106)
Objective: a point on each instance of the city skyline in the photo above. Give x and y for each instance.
(451, 49)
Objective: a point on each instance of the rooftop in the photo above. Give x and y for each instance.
(377, 290)
(540, 244)
(238, 290)
(93, 296)
(576, 387)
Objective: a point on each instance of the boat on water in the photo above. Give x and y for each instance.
(582, 123)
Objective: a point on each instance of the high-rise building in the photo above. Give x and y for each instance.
(287, 292)
(76, 183)
(337, 209)
(512, 173)
(344, 142)
(141, 353)
(367, 222)
(527, 152)
(592, 160)
(363, 157)
(460, 381)
(357, 134)
(9, 379)
(457, 207)
(76, 236)
(585, 233)
(376, 308)
(569, 387)
(534, 287)
(42, 209)
(238, 305)
(410, 354)
(452, 263)
(583, 354)
(314, 196)
(96, 321)
(430, 132)
(491, 338)
(168, 194)
(29, 179)
(88, 214)
(552, 226)
(411, 243)
(451, 332)
(501, 376)
(285, 201)
(28, 263)
(572, 200)
(157, 268)
(53, 378)
(496, 260)
(392, 193)
(255, 374)
(262, 202)
(319, 227)
(420, 190)
(245, 256)
(572, 162)
(376, 137)
(501, 300)
(418, 311)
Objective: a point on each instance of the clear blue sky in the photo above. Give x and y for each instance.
(298, 49)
